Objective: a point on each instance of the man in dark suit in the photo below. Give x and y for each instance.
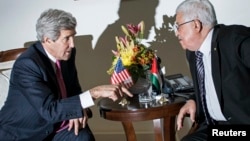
(36, 107)
(226, 63)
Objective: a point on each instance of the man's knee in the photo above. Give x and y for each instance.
(84, 134)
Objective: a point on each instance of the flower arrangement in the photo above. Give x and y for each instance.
(135, 56)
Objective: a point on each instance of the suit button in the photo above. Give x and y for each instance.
(47, 132)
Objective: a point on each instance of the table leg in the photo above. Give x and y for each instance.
(169, 128)
(158, 130)
(129, 131)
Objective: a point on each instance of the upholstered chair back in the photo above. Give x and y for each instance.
(7, 59)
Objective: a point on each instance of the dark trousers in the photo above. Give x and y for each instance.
(84, 134)
(201, 134)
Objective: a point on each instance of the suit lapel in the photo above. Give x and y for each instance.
(48, 64)
(216, 72)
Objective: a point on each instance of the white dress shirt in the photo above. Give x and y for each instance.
(212, 101)
(85, 97)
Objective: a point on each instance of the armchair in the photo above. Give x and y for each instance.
(188, 128)
(7, 59)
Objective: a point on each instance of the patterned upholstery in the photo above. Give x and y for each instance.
(7, 59)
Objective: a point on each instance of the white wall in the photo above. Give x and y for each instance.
(18, 17)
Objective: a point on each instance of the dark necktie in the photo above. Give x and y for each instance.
(201, 78)
(62, 90)
(60, 80)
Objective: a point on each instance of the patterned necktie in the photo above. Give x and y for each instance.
(63, 92)
(60, 80)
(201, 78)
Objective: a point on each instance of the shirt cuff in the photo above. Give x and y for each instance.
(86, 99)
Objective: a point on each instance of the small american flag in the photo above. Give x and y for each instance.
(121, 75)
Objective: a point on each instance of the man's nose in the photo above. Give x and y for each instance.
(176, 33)
(72, 43)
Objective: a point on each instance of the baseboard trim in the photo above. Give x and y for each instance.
(120, 136)
(117, 136)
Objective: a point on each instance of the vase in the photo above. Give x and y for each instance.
(141, 86)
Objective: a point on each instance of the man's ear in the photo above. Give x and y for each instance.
(198, 25)
(47, 40)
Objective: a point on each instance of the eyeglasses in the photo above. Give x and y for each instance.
(177, 26)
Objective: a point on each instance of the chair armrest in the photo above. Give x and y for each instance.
(193, 128)
(11, 54)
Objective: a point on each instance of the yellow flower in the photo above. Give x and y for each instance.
(134, 55)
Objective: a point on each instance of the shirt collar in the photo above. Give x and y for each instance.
(206, 45)
(52, 58)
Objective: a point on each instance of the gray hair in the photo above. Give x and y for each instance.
(202, 10)
(52, 21)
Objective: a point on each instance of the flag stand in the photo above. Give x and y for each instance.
(163, 99)
(124, 101)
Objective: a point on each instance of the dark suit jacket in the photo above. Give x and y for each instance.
(230, 53)
(33, 107)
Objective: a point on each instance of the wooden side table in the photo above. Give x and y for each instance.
(163, 115)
